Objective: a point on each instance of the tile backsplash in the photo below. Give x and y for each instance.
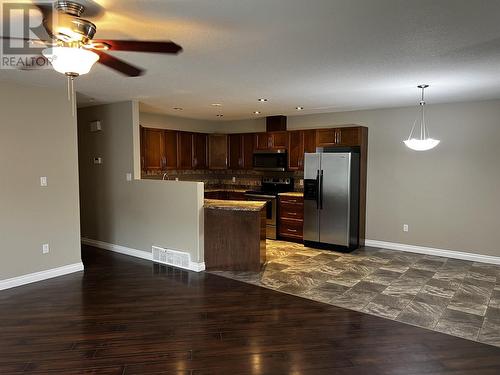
(223, 179)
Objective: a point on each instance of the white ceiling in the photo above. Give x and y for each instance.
(325, 55)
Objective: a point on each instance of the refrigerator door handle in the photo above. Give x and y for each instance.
(320, 195)
(317, 189)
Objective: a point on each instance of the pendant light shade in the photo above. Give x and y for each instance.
(422, 141)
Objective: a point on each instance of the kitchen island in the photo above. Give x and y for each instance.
(235, 235)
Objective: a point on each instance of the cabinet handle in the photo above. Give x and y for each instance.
(292, 213)
(292, 230)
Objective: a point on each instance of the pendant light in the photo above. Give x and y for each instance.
(423, 142)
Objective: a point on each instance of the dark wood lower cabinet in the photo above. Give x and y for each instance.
(235, 240)
(291, 217)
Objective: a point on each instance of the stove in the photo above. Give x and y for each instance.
(271, 187)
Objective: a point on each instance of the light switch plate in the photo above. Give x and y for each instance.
(45, 248)
(405, 228)
(43, 181)
(129, 176)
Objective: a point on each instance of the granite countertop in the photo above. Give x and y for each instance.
(292, 194)
(216, 204)
(231, 190)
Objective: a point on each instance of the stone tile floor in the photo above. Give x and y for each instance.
(452, 296)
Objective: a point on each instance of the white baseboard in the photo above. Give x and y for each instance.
(39, 276)
(433, 251)
(193, 266)
(118, 249)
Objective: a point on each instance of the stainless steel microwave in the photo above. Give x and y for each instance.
(270, 160)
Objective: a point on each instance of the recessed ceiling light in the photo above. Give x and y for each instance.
(299, 108)
(178, 108)
(256, 113)
(216, 105)
(262, 100)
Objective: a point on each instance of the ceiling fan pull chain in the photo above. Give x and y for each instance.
(71, 92)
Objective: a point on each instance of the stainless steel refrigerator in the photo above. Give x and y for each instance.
(331, 198)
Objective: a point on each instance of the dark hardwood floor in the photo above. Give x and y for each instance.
(129, 316)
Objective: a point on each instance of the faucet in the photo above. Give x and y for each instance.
(165, 177)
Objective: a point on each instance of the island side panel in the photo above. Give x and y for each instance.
(234, 239)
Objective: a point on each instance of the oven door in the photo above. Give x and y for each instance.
(270, 212)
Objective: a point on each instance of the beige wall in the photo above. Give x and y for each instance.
(37, 138)
(449, 196)
(139, 213)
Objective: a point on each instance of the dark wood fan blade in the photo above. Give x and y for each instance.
(141, 46)
(119, 65)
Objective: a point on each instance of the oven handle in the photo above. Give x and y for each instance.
(260, 196)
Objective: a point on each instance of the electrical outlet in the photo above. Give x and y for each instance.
(301, 182)
(129, 176)
(405, 228)
(45, 248)
(43, 181)
(97, 160)
(234, 179)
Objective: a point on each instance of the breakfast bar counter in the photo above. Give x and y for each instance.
(235, 235)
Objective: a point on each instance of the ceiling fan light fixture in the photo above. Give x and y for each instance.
(71, 61)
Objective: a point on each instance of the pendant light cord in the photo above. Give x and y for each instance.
(424, 131)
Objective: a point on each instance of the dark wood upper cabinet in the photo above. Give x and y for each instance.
(185, 150)
(262, 141)
(309, 141)
(248, 149)
(170, 149)
(217, 151)
(349, 136)
(300, 142)
(200, 151)
(153, 158)
(295, 150)
(273, 140)
(279, 139)
(235, 151)
(326, 137)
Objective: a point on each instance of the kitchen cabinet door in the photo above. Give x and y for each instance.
(170, 149)
(153, 158)
(295, 150)
(327, 137)
(349, 136)
(200, 151)
(279, 139)
(248, 149)
(262, 141)
(235, 151)
(217, 151)
(185, 150)
(309, 142)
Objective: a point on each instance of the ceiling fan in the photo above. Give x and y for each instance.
(72, 49)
